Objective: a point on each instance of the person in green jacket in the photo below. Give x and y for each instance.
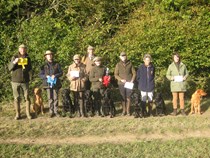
(125, 72)
(177, 73)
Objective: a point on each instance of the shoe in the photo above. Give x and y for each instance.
(183, 112)
(97, 113)
(57, 115)
(17, 117)
(123, 114)
(52, 115)
(135, 116)
(174, 113)
(29, 117)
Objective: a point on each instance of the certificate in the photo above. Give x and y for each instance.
(178, 78)
(74, 73)
(129, 85)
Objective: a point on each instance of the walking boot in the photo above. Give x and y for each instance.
(96, 108)
(17, 110)
(77, 110)
(174, 113)
(128, 106)
(123, 108)
(150, 109)
(28, 110)
(183, 112)
(144, 111)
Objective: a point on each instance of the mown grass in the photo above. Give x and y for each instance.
(166, 136)
(187, 148)
(97, 126)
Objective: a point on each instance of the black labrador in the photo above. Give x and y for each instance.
(136, 102)
(107, 104)
(67, 102)
(160, 105)
(88, 103)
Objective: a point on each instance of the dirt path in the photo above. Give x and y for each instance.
(118, 139)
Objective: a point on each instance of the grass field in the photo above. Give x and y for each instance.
(168, 136)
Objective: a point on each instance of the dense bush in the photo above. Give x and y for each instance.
(157, 27)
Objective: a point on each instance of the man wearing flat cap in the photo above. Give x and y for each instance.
(77, 77)
(88, 61)
(20, 66)
(125, 72)
(50, 73)
(96, 78)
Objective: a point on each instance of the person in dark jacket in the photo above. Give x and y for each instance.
(125, 72)
(146, 83)
(50, 73)
(96, 78)
(20, 67)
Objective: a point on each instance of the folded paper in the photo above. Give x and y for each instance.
(129, 85)
(74, 73)
(178, 78)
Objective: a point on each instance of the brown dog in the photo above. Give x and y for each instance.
(38, 101)
(196, 101)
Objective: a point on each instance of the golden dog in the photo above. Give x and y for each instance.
(38, 101)
(196, 101)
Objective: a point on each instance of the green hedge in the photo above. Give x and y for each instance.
(157, 27)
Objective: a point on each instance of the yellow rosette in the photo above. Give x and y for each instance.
(23, 62)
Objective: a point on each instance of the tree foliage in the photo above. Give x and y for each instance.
(67, 27)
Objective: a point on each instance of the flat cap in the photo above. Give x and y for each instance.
(122, 54)
(22, 46)
(90, 47)
(48, 52)
(97, 59)
(76, 56)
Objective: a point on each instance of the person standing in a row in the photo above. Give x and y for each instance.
(146, 83)
(96, 78)
(50, 73)
(88, 61)
(177, 73)
(20, 66)
(77, 77)
(125, 72)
